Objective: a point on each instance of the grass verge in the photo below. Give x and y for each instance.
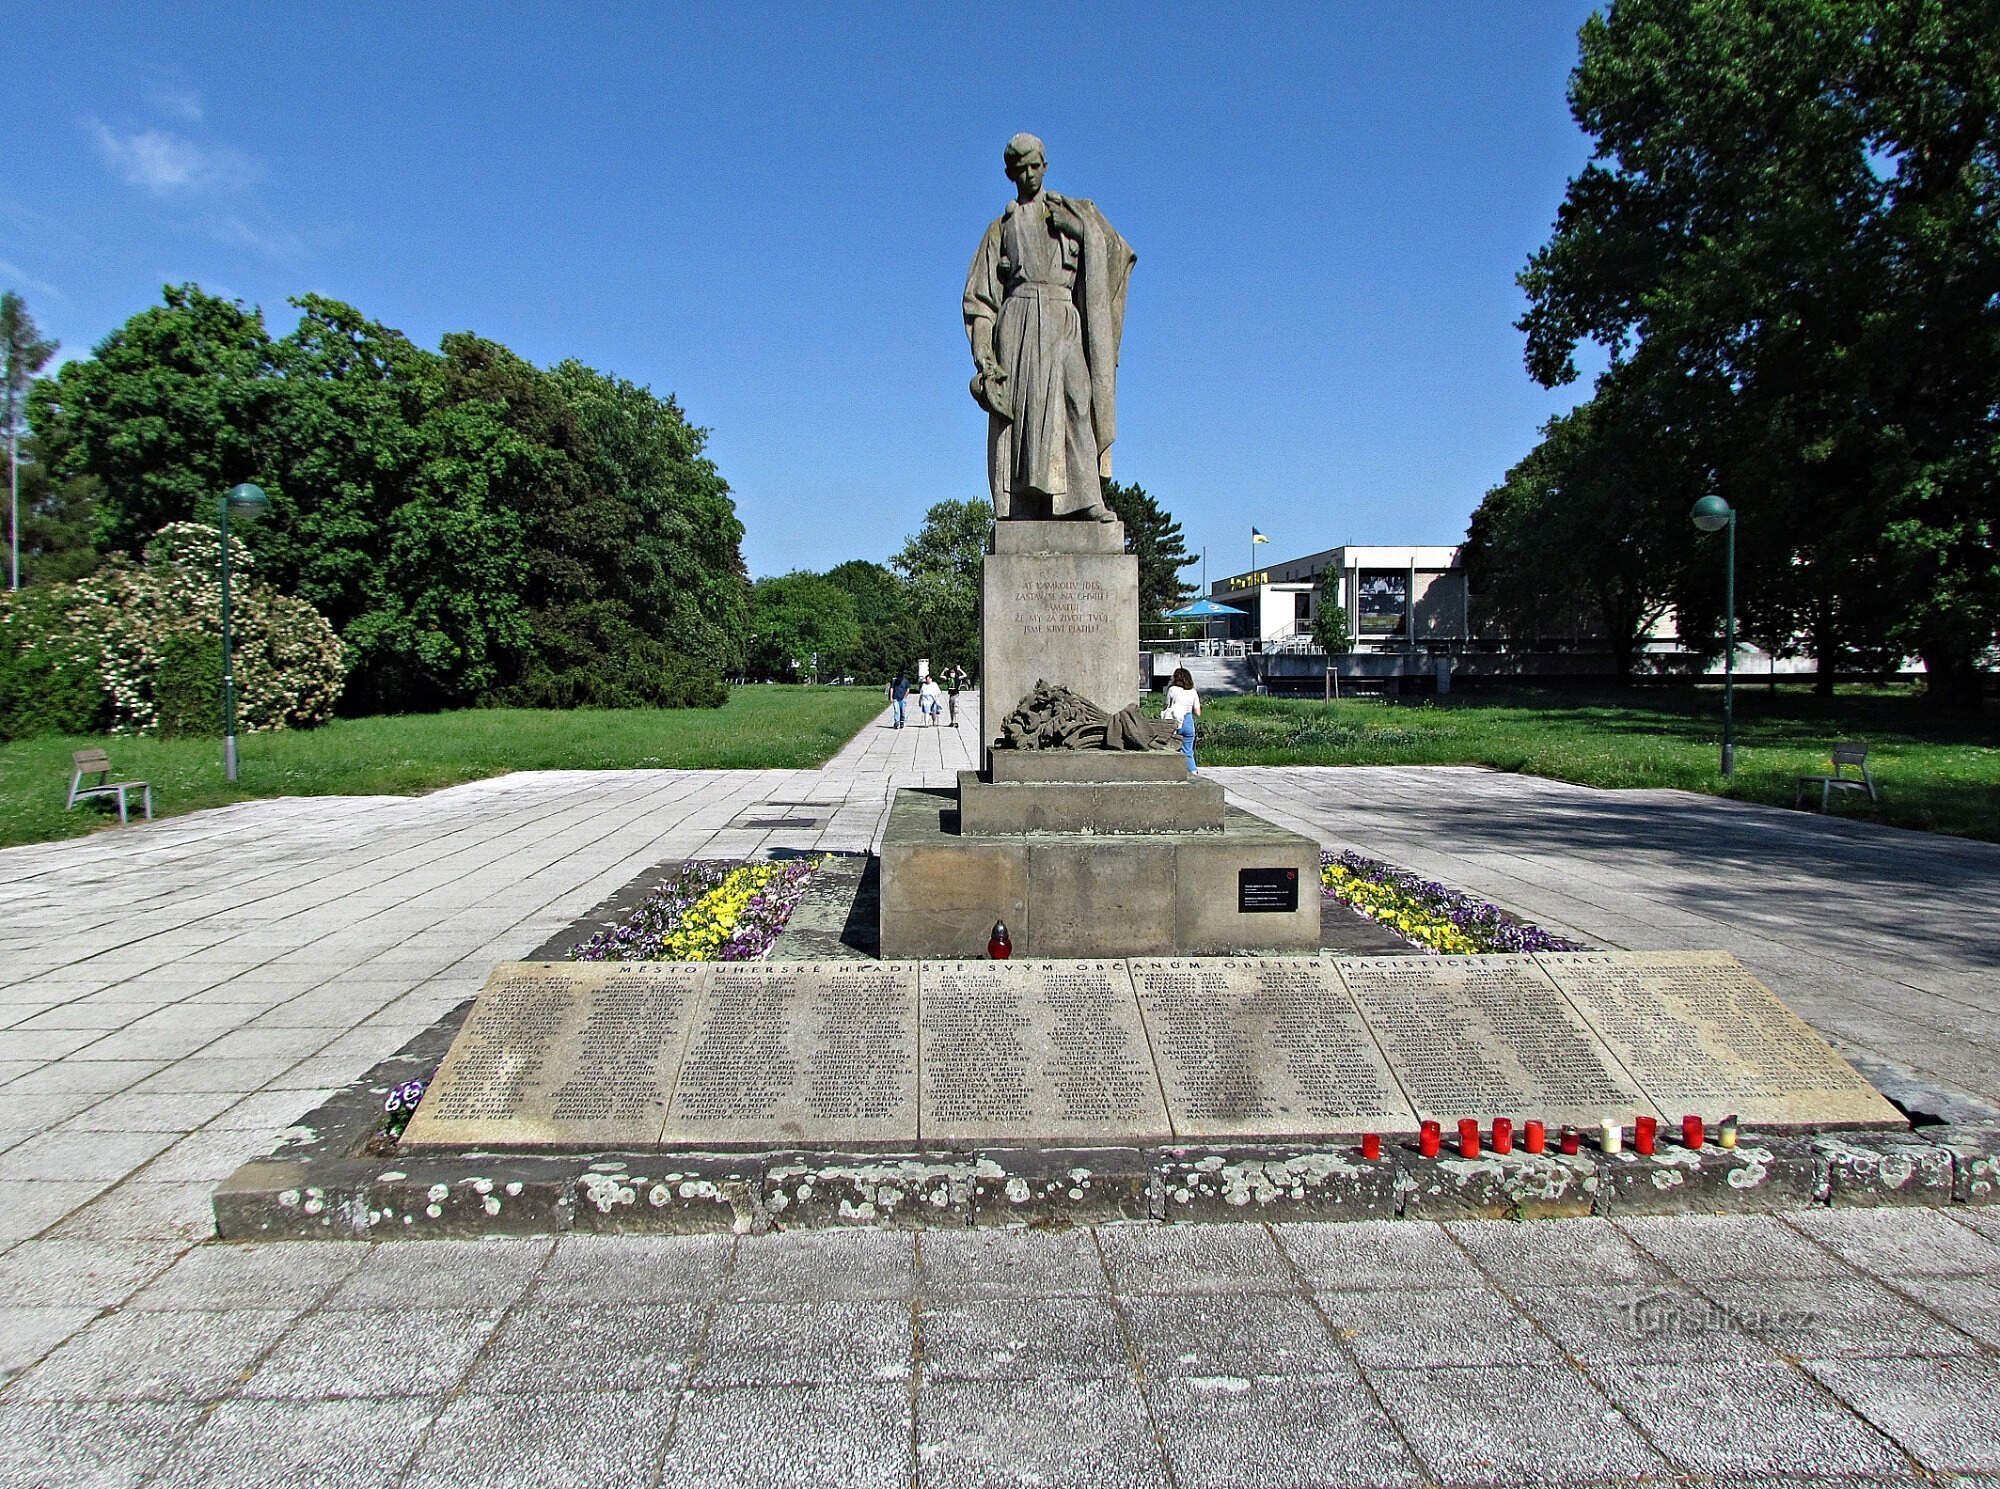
(759, 728)
(1936, 774)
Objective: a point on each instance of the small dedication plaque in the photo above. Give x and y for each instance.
(1045, 1051)
(1267, 891)
(563, 1052)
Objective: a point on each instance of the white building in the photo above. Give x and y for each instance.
(1395, 596)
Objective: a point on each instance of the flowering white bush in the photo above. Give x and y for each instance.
(289, 663)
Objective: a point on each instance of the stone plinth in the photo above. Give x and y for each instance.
(1069, 767)
(1085, 895)
(1189, 804)
(1059, 601)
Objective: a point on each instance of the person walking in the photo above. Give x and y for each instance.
(1183, 707)
(954, 679)
(899, 691)
(930, 699)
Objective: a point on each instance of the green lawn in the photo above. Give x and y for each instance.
(1939, 775)
(760, 727)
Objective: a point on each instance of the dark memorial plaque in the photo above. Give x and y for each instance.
(1267, 891)
(1488, 1036)
(1270, 1047)
(1036, 1051)
(1702, 1035)
(783, 1053)
(562, 1052)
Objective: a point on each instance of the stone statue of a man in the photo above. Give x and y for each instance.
(1044, 310)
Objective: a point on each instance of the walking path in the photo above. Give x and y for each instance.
(173, 994)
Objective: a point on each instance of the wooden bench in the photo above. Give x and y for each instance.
(1849, 753)
(97, 764)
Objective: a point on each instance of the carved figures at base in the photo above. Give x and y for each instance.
(1044, 311)
(1054, 718)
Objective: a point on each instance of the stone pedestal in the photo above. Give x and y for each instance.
(1057, 601)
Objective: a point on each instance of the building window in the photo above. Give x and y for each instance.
(1302, 605)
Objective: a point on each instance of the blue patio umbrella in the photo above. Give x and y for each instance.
(1203, 610)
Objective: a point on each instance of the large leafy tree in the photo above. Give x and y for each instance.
(23, 353)
(889, 641)
(799, 621)
(1790, 237)
(940, 564)
(1152, 534)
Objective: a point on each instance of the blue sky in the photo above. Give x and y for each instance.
(768, 213)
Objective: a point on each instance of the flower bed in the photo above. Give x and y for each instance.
(1429, 915)
(713, 910)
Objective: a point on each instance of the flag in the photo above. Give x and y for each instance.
(1257, 537)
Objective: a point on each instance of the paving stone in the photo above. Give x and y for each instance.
(1230, 1334)
(1969, 1304)
(41, 1111)
(958, 1266)
(138, 1113)
(1288, 1431)
(1379, 1253)
(97, 1274)
(592, 1347)
(1024, 1339)
(1194, 1259)
(791, 1437)
(806, 1343)
(1705, 1247)
(30, 1206)
(1759, 1418)
(855, 1264)
(231, 1276)
(1901, 1242)
(1836, 1317)
(373, 1352)
(245, 1074)
(1944, 1413)
(83, 1077)
(1513, 1424)
(26, 1334)
(1092, 1434)
(208, 1156)
(139, 1211)
(441, 1274)
(299, 1445)
(632, 1269)
(267, 1109)
(154, 1357)
(1633, 1323)
(1985, 1221)
(88, 1445)
(1396, 1326)
(1555, 1253)
(81, 1155)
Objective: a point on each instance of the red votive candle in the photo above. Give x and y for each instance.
(1503, 1135)
(1429, 1138)
(1645, 1134)
(999, 945)
(1371, 1146)
(1534, 1138)
(1468, 1137)
(1692, 1135)
(1571, 1140)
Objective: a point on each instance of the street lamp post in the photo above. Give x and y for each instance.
(1712, 514)
(249, 500)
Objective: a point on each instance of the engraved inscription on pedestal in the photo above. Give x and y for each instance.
(1038, 1052)
(563, 1052)
(1268, 1046)
(1702, 1035)
(800, 1051)
(1487, 1037)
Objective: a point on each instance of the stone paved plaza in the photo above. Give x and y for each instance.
(173, 995)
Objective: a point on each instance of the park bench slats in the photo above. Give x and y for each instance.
(97, 764)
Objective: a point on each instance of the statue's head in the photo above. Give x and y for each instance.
(1027, 162)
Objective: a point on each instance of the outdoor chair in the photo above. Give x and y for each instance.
(97, 765)
(1849, 753)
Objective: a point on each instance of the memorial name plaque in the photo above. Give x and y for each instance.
(1488, 1036)
(1267, 891)
(1036, 1051)
(1269, 1047)
(1702, 1035)
(563, 1052)
(791, 1052)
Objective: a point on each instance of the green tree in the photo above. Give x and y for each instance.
(1329, 624)
(889, 638)
(1152, 534)
(1787, 235)
(797, 618)
(58, 519)
(940, 565)
(23, 353)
